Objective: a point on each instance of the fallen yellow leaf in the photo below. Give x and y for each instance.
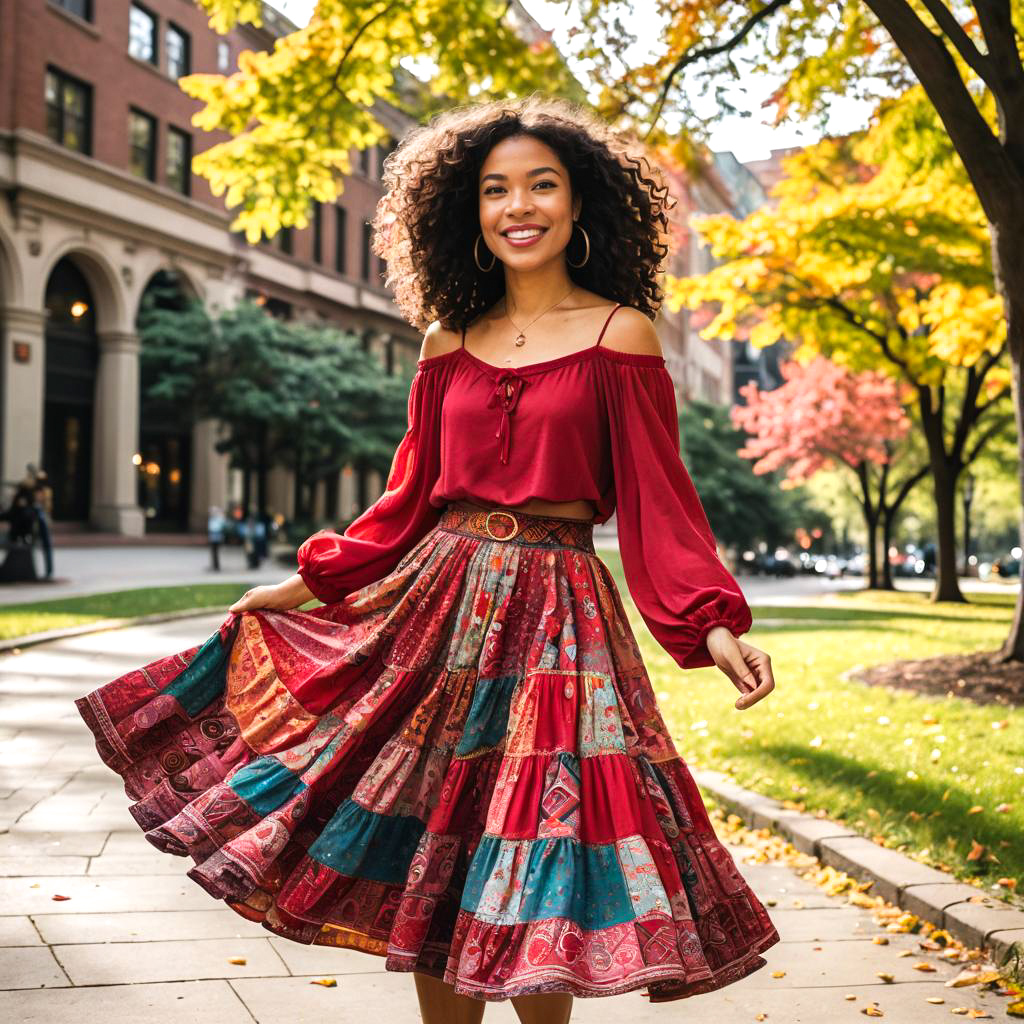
(965, 977)
(871, 1011)
(238, 960)
(778, 974)
(326, 982)
(924, 966)
(885, 976)
(936, 999)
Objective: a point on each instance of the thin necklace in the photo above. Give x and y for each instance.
(521, 337)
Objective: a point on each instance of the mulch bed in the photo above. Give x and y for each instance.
(974, 676)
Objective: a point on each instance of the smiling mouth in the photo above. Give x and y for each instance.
(518, 236)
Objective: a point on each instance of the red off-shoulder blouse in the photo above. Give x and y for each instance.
(596, 424)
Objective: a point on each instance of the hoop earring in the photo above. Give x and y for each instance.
(586, 239)
(476, 258)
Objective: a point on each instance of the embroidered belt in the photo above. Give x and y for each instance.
(501, 524)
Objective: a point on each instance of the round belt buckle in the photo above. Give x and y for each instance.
(515, 525)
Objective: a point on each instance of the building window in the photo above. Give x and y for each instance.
(382, 269)
(142, 138)
(68, 111)
(384, 150)
(179, 160)
(223, 57)
(318, 232)
(340, 241)
(142, 34)
(178, 56)
(284, 240)
(364, 270)
(80, 8)
(364, 160)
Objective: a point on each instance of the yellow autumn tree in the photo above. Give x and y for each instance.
(875, 254)
(294, 113)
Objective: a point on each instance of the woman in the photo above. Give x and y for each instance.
(457, 761)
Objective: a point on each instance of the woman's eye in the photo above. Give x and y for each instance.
(488, 190)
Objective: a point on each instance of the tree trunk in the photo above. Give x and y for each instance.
(1008, 262)
(871, 526)
(947, 583)
(944, 476)
(888, 514)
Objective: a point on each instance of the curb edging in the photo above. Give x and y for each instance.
(963, 910)
(102, 625)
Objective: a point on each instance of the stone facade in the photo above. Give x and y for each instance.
(87, 227)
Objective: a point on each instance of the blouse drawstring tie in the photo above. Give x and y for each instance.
(507, 387)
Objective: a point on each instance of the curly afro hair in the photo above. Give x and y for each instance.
(428, 219)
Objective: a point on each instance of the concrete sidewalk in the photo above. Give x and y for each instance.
(135, 939)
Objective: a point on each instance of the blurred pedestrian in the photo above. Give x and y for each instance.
(43, 504)
(252, 549)
(215, 524)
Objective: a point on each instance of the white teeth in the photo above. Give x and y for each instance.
(529, 233)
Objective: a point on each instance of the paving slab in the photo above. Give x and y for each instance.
(153, 863)
(822, 924)
(194, 1002)
(88, 894)
(303, 959)
(135, 922)
(359, 998)
(31, 843)
(144, 926)
(33, 867)
(739, 1003)
(18, 931)
(131, 963)
(30, 967)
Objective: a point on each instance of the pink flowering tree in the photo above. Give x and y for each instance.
(825, 417)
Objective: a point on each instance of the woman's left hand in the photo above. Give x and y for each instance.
(749, 668)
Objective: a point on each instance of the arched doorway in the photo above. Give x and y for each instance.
(165, 428)
(72, 359)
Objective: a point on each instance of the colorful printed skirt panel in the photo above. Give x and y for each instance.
(460, 767)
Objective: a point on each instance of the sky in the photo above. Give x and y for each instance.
(748, 138)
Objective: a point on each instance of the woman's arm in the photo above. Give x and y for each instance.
(291, 593)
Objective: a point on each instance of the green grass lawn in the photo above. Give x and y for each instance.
(37, 617)
(926, 774)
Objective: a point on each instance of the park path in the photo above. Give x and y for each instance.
(136, 939)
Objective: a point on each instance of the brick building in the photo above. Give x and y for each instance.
(98, 204)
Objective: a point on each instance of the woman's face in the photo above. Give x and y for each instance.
(522, 182)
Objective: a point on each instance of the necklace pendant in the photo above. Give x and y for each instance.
(520, 340)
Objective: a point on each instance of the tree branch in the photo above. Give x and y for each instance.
(996, 22)
(990, 168)
(961, 40)
(692, 56)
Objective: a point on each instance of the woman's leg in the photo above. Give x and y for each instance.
(440, 1005)
(543, 1008)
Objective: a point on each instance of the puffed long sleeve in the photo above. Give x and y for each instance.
(679, 584)
(333, 565)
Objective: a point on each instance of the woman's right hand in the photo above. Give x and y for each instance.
(292, 593)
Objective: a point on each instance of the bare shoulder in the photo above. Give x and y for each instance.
(632, 331)
(438, 340)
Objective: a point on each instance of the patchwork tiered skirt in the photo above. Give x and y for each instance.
(460, 767)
